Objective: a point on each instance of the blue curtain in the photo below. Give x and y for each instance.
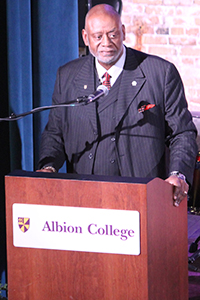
(41, 36)
(20, 81)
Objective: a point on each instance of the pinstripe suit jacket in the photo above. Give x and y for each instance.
(141, 138)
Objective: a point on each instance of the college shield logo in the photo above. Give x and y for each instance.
(24, 224)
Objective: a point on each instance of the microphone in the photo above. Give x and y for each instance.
(102, 90)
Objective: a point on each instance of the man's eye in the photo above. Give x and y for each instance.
(98, 37)
(112, 35)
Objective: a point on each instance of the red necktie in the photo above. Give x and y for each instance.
(106, 82)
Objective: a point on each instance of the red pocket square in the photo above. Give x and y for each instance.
(145, 107)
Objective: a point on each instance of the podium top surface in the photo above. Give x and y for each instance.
(86, 177)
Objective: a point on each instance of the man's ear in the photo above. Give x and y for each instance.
(124, 32)
(85, 37)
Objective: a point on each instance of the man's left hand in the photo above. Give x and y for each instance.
(180, 188)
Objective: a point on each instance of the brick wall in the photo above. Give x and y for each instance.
(170, 29)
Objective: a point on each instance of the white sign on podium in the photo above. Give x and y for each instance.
(76, 229)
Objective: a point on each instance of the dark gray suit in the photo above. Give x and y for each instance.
(139, 139)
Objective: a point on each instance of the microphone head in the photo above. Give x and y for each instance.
(101, 91)
(104, 89)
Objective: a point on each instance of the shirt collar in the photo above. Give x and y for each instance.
(114, 71)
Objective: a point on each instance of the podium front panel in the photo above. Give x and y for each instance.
(59, 274)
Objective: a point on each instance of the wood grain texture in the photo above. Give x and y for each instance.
(54, 274)
(167, 244)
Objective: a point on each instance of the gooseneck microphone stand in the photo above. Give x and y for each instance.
(79, 101)
(102, 90)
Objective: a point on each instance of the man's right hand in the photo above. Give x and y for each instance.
(47, 169)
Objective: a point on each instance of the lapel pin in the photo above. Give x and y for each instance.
(134, 83)
(85, 87)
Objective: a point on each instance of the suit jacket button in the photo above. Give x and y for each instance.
(112, 139)
(112, 161)
(90, 156)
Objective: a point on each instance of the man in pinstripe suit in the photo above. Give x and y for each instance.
(126, 132)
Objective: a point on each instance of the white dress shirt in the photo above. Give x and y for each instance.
(114, 71)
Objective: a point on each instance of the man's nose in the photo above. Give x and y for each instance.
(105, 40)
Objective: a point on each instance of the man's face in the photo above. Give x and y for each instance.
(104, 35)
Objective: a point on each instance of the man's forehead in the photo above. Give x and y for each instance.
(103, 23)
(101, 30)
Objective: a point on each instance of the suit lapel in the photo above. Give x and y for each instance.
(132, 81)
(85, 81)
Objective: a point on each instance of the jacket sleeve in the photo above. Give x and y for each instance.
(52, 147)
(180, 130)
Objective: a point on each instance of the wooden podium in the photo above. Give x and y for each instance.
(159, 272)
